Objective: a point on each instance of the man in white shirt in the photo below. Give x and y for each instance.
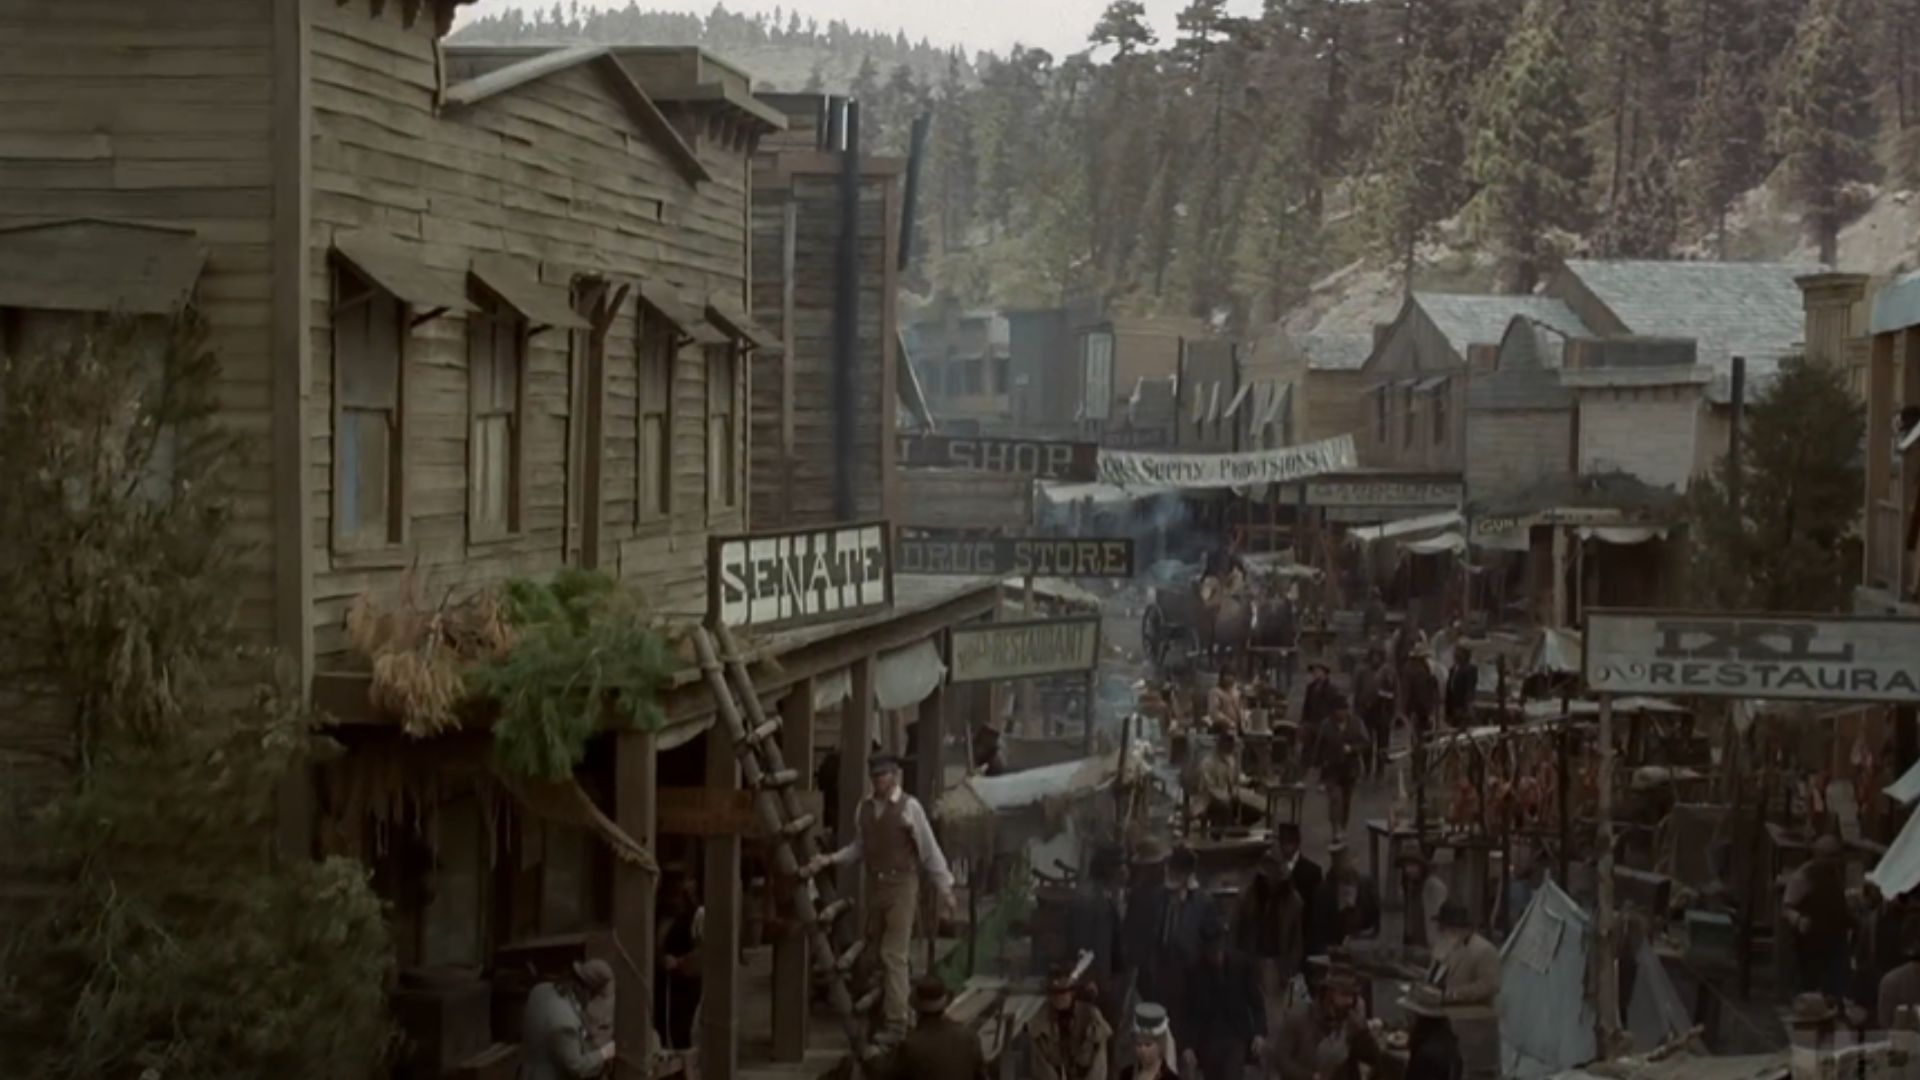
(894, 840)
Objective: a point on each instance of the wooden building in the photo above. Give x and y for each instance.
(481, 314)
(1045, 368)
(1208, 398)
(1116, 355)
(1314, 386)
(798, 226)
(1891, 569)
(963, 357)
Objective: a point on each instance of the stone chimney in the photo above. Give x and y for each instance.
(1830, 301)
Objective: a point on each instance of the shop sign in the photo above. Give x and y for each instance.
(999, 557)
(1024, 650)
(801, 575)
(1676, 653)
(1045, 459)
(1134, 469)
(1402, 493)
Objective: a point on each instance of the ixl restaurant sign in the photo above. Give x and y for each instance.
(1752, 656)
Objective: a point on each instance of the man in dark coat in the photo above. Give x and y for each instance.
(1817, 909)
(1094, 927)
(1189, 910)
(1270, 930)
(1346, 906)
(1301, 870)
(1419, 689)
(937, 1048)
(1321, 699)
(1148, 896)
(1228, 1020)
(1463, 684)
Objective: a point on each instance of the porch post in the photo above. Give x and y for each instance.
(636, 755)
(720, 951)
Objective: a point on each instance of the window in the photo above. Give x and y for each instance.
(1002, 375)
(496, 360)
(1380, 425)
(956, 379)
(976, 375)
(723, 478)
(1406, 435)
(369, 445)
(1440, 414)
(654, 359)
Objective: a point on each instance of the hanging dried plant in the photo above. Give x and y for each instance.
(419, 654)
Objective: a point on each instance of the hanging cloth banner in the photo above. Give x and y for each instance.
(1128, 468)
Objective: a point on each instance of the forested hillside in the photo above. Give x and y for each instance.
(1223, 172)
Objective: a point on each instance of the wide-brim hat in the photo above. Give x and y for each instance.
(1319, 665)
(1811, 1008)
(930, 995)
(1453, 916)
(1150, 1019)
(1060, 980)
(595, 975)
(881, 763)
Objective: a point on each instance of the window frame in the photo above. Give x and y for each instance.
(1383, 415)
(361, 546)
(726, 358)
(1439, 414)
(498, 316)
(656, 360)
(1410, 417)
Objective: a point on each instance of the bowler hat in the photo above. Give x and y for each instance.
(930, 995)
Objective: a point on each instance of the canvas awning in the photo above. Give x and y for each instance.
(902, 679)
(1906, 790)
(101, 266)
(1546, 1017)
(682, 316)
(518, 285)
(979, 796)
(1898, 871)
(398, 268)
(732, 319)
(1447, 543)
(1367, 534)
(1623, 534)
(1066, 494)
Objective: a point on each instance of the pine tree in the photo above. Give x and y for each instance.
(1644, 222)
(1636, 55)
(1722, 141)
(1823, 122)
(1276, 252)
(1799, 487)
(816, 80)
(1408, 191)
(1528, 155)
(1124, 26)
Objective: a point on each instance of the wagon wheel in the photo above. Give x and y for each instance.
(1153, 634)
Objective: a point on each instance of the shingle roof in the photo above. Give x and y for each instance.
(1334, 351)
(1730, 309)
(1482, 320)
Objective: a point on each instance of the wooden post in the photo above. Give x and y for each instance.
(1609, 959)
(856, 741)
(636, 754)
(720, 950)
(1087, 708)
(1024, 690)
(791, 980)
(1560, 557)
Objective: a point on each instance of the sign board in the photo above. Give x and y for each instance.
(966, 499)
(1024, 650)
(1044, 459)
(1041, 557)
(1126, 468)
(1752, 656)
(1397, 493)
(1501, 524)
(799, 575)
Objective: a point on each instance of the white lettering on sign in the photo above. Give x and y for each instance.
(787, 577)
(1126, 468)
(1752, 656)
(1024, 650)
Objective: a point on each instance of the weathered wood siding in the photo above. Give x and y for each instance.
(555, 172)
(156, 113)
(1510, 450)
(1415, 349)
(796, 222)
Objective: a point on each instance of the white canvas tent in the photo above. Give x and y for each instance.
(1546, 1019)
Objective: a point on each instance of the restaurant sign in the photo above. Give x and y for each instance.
(800, 575)
(1752, 656)
(1024, 650)
(1045, 459)
(998, 557)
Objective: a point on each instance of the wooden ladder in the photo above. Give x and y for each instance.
(775, 788)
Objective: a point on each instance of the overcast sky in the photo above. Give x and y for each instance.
(1059, 26)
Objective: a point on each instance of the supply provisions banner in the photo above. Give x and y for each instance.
(1126, 468)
